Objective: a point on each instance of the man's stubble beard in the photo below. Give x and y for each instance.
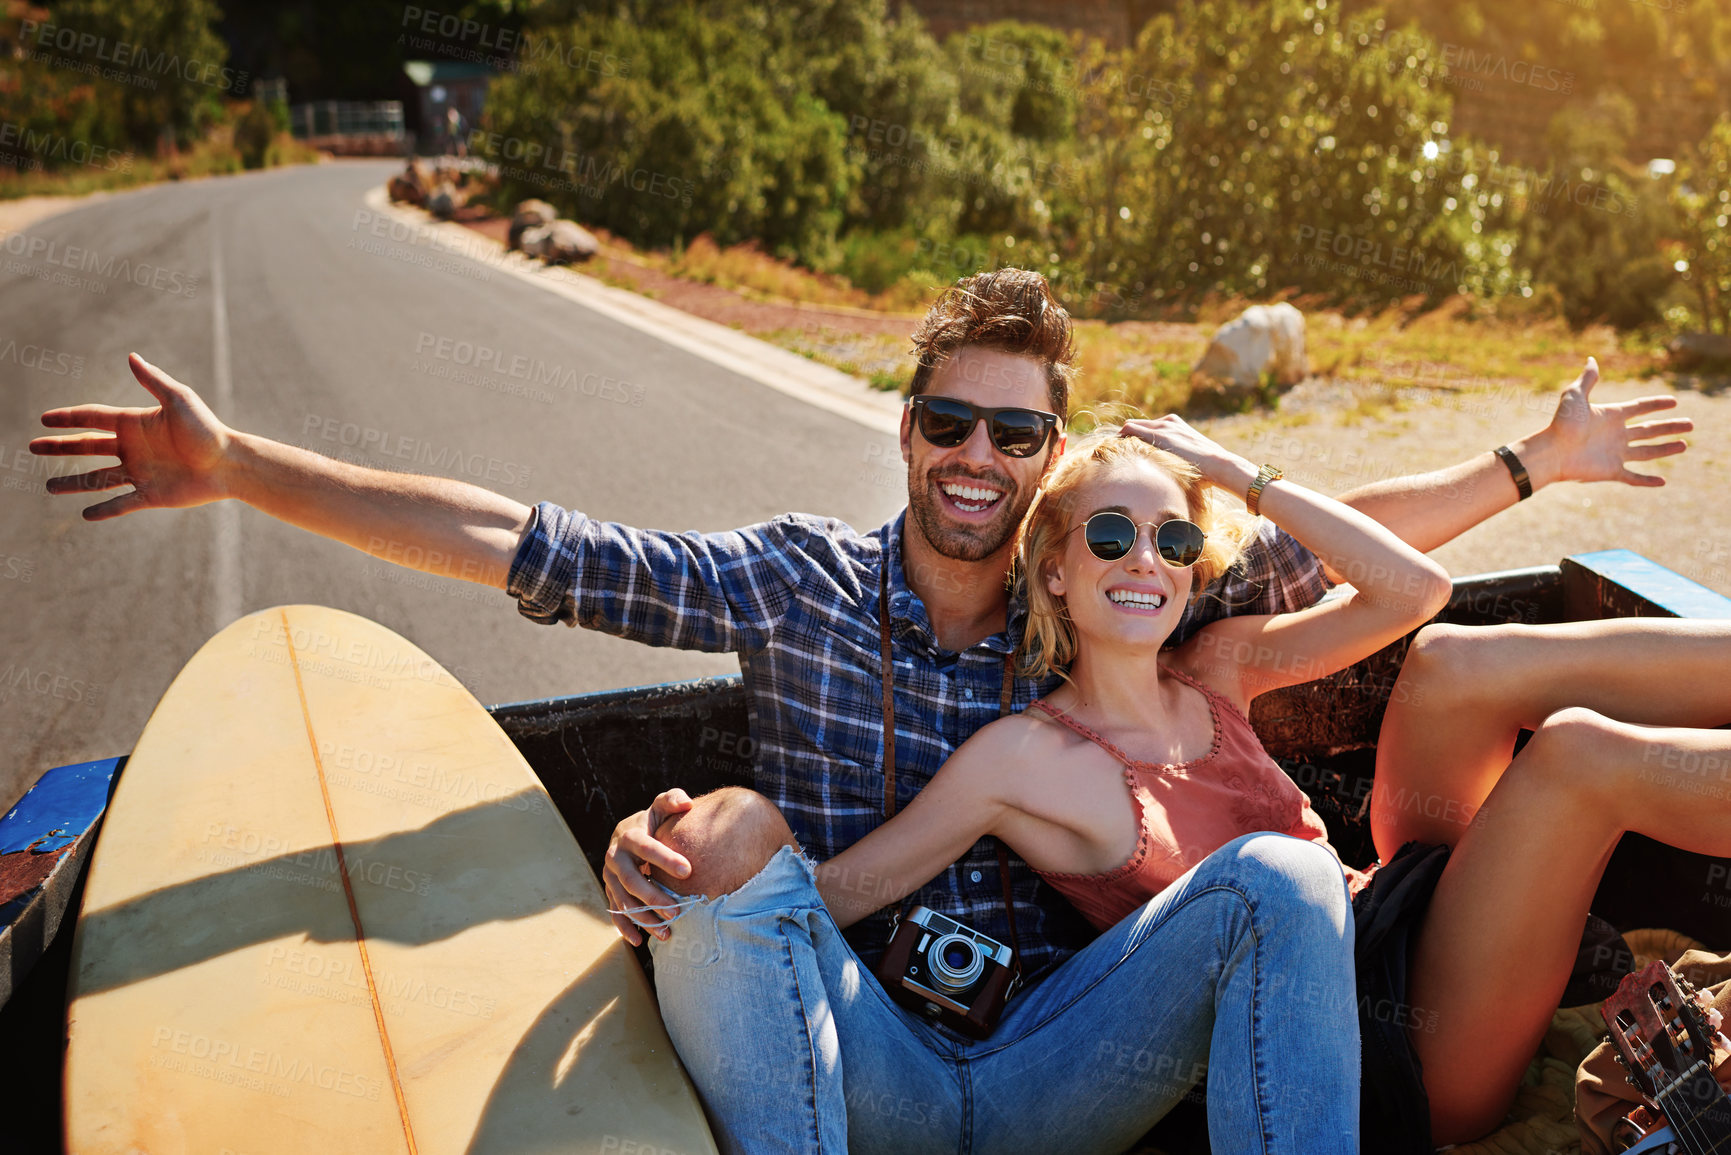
(958, 543)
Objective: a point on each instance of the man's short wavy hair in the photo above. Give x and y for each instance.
(1049, 640)
(1011, 310)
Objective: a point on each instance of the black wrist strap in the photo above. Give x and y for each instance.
(1005, 695)
(1523, 483)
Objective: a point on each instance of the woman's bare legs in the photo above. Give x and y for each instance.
(1499, 940)
(1466, 692)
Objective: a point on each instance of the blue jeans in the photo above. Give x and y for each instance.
(1242, 969)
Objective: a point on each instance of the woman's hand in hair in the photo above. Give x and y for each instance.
(1219, 466)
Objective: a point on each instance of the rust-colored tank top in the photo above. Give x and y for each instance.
(1187, 810)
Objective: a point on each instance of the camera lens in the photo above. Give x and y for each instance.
(956, 962)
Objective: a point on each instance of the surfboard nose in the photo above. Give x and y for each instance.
(331, 898)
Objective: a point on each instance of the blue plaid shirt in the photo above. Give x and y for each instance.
(796, 599)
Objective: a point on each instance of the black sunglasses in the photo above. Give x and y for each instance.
(1112, 535)
(947, 423)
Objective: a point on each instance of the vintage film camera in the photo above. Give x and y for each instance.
(946, 971)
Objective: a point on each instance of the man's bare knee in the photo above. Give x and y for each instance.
(728, 835)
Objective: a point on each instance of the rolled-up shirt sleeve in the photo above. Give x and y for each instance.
(1275, 574)
(720, 592)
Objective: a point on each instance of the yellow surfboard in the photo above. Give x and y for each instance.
(332, 910)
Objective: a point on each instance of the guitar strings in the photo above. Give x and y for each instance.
(1688, 1126)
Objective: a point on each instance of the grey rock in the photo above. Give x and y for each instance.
(560, 243)
(443, 202)
(1261, 339)
(530, 214)
(1699, 350)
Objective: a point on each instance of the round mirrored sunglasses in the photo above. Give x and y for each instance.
(1112, 535)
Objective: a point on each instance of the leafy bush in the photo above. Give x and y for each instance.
(175, 62)
(686, 133)
(82, 117)
(1243, 148)
(253, 134)
(1592, 224)
(1701, 196)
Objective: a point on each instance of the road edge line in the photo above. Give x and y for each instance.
(779, 369)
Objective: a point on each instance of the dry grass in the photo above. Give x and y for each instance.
(1446, 349)
(749, 271)
(1388, 362)
(1390, 359)
(212, 156)
(1142, 365)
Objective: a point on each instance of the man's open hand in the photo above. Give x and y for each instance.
(1597, 442)
(171, 454)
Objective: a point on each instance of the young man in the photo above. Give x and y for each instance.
(768, 1005)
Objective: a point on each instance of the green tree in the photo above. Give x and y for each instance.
(253, 134)
(1701, 196)
(1592, 223)
(49, 102)
(1668, 56)
(173, 61)
(1246, 148)
(687, 133)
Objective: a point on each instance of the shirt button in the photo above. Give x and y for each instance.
(968, 694)
(974, 876)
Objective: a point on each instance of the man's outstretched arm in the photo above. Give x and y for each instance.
(1583, 442)
(178, 454)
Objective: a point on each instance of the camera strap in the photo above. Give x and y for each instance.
(889, 711)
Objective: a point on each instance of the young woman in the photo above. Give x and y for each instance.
(1142, 764)
(1112, 790)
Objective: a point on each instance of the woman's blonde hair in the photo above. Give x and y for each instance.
(1049, 640)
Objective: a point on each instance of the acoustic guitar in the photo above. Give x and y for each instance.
(1668, 1039)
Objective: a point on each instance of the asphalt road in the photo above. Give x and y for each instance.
(263, 293)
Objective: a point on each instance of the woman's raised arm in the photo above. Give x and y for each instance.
(1395, 588)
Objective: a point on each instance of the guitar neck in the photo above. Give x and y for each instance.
(1669, 1039)
(1699, 1112)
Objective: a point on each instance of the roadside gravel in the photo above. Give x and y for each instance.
(26, 211)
